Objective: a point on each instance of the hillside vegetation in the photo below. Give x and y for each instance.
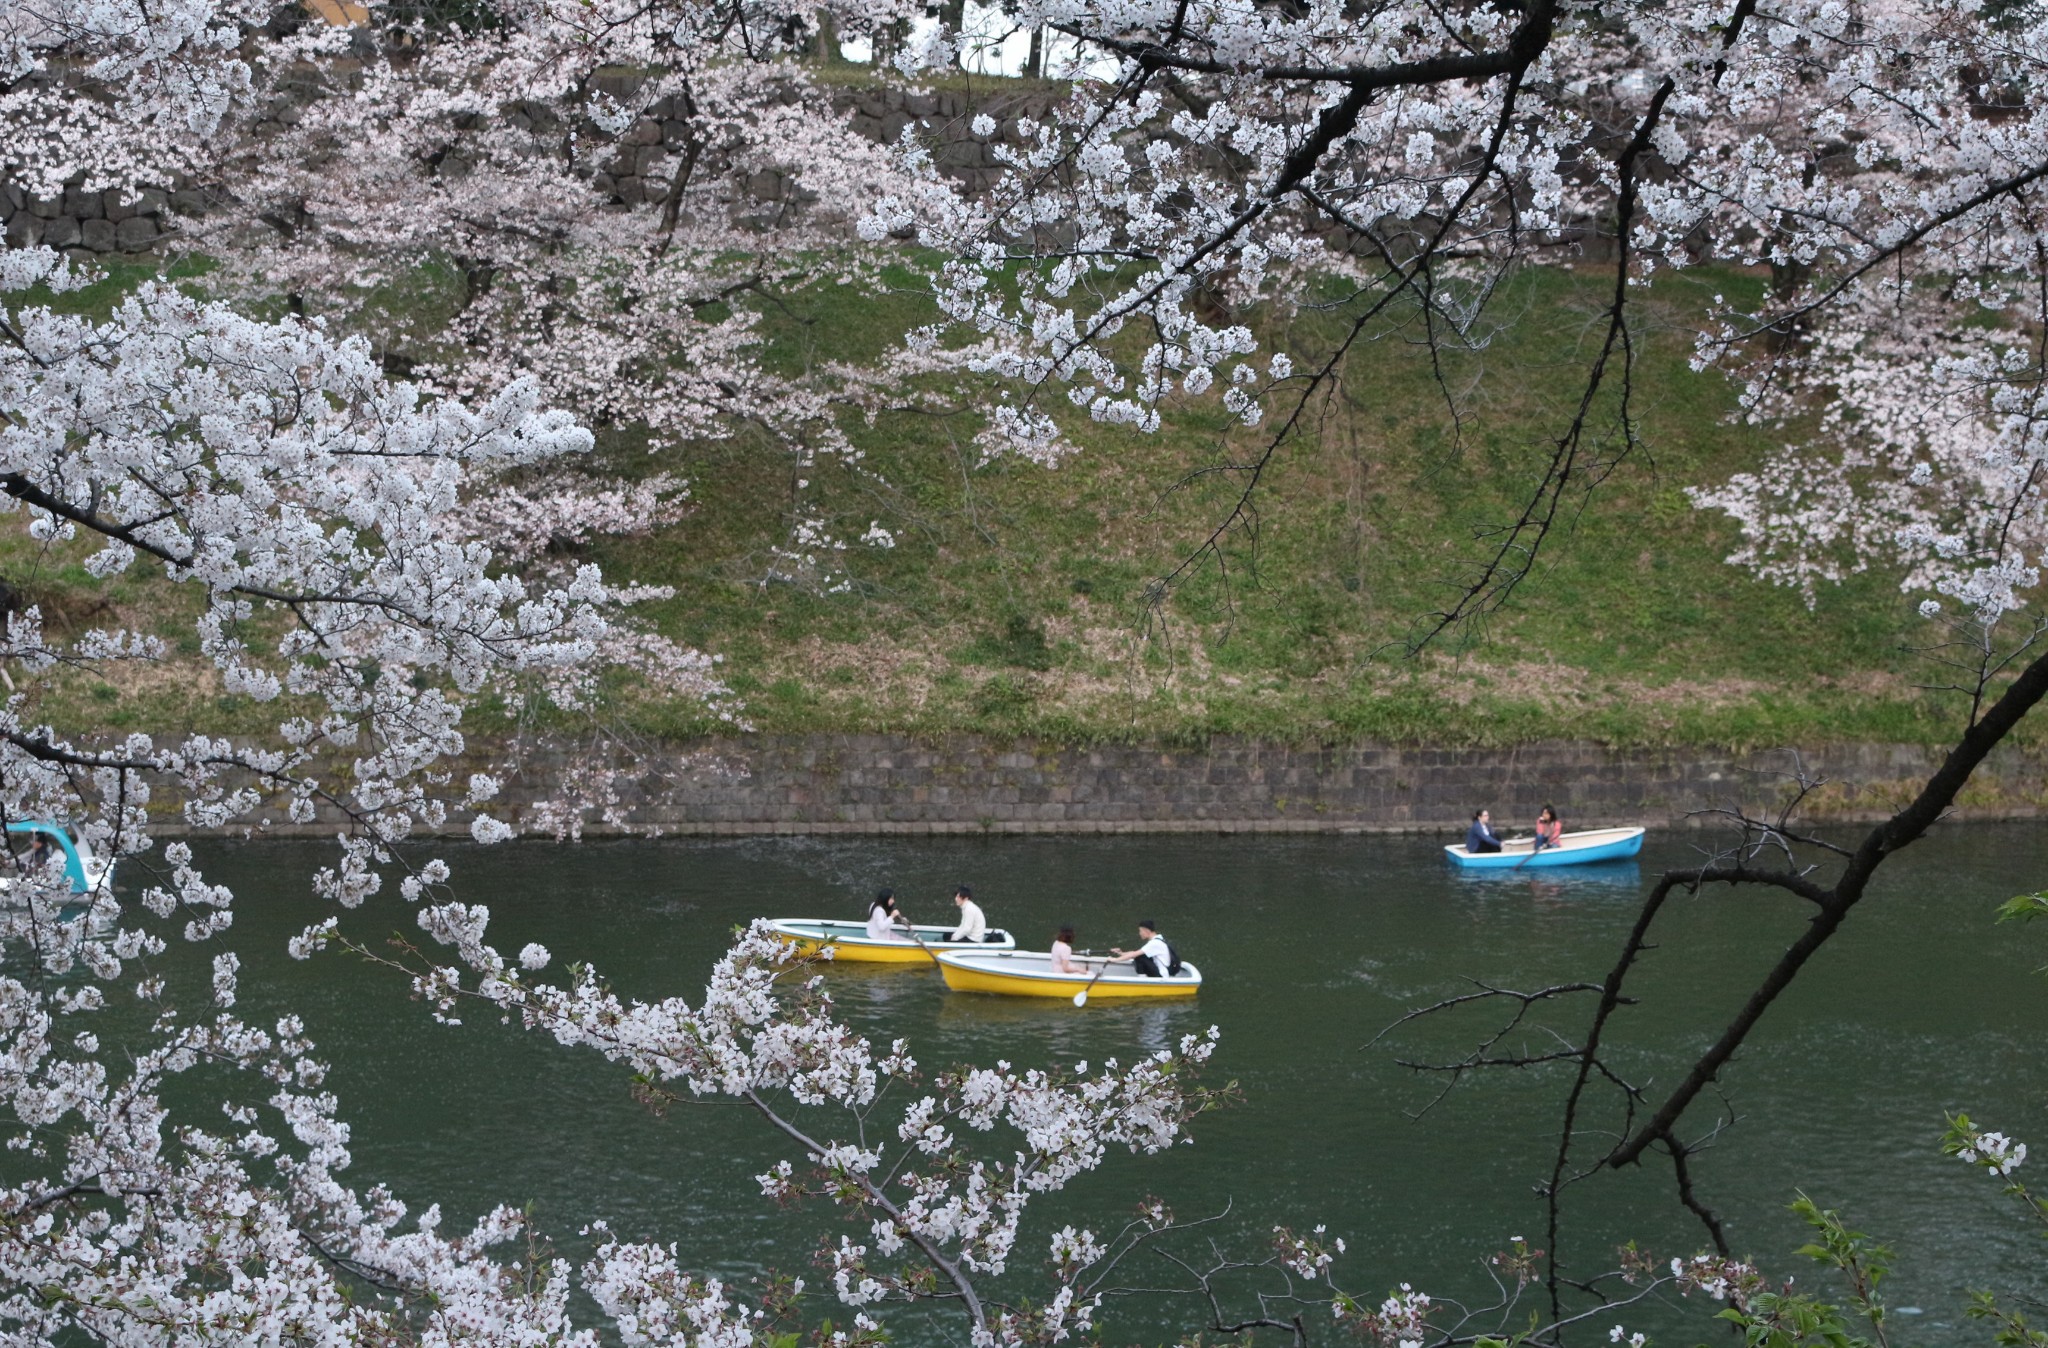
(1025, 600)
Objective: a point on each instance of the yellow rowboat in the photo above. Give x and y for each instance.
(850, 941)
(1028, 973)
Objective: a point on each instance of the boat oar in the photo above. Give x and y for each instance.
(926, 949)
(1506, 843)
(1535, 846)
(1081, 997)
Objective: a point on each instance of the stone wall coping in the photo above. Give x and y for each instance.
(785, 785)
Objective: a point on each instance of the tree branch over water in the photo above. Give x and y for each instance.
(1743, 865)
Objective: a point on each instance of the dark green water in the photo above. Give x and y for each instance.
(1310, 946)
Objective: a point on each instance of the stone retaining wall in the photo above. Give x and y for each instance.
(888, 784)
(635, 171)
(114, 221)
(82, 222)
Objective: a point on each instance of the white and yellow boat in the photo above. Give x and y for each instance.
(850, 941)
(1028, 973)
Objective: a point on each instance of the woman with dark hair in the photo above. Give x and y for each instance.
(1063, 953)
(884, 921)
(1549, 830)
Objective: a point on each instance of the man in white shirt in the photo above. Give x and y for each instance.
(1154, 958)
(972, 924)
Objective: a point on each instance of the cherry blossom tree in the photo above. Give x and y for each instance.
(304, 502)
(594, 202)
(603, 199)
(316, 512)
(1881, 161)
(600, 199)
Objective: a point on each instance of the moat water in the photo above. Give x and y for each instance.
(1310, 947)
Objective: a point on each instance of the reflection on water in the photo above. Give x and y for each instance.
(1309, 947)
(881, 989)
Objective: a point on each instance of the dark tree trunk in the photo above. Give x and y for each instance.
(825, 47)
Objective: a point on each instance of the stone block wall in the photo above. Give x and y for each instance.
(96, 223)
(82, 222)
(89, 224)
(638, 170)
(945, 119)
(891, 784)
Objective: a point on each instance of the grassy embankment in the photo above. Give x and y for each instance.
(1015, 601)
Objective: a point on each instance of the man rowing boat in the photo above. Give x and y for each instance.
(1152, 959)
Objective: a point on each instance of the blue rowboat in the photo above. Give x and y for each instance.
(85, 872)
(69, 867)
(1599, 844)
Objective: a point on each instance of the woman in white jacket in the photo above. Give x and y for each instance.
(884, 922)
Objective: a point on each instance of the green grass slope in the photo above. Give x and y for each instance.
(1025, 600)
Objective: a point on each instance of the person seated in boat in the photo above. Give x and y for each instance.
(1549, 830)
(1154, 957)
(885, 923)
(1063, 961)
(1481, 837)
(37, 856)
(973, 926)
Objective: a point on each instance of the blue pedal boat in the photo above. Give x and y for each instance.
(1573, 849)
